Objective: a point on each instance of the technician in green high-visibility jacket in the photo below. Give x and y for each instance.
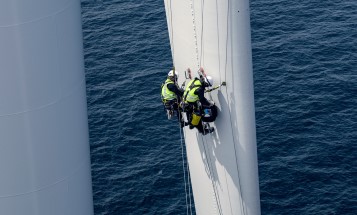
(195, 102)
(170, 90)
(171, 94)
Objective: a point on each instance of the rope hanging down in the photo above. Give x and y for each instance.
(188, 206)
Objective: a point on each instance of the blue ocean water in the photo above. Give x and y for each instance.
(305, 73)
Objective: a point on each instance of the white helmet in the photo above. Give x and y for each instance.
(209, 81)
(172, 74)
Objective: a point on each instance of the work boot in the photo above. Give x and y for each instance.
(208, 130)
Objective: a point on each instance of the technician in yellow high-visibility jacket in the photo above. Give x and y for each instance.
(194, 99)
(171, 93)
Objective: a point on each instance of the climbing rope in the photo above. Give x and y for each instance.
(189, 187)
(188, 206)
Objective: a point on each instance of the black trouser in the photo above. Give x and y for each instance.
(200, 126)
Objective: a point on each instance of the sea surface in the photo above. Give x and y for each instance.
(305, 77)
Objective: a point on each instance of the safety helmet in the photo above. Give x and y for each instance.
(208, 81)
(172, 74)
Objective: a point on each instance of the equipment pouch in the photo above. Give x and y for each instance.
(195, 119)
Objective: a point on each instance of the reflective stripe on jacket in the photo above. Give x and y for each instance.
(189, 94)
